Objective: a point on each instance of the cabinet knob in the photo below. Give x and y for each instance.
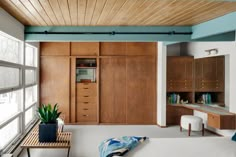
(85, 109)
(85, 88)
(85, 115)
(86, 96)
(85, 102)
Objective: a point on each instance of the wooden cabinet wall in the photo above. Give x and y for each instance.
(141, 90)
(180, 74)
(55, 83)
(209, 74)
(126, 87)
(130, 82)
(54, 48)
(113, 90)
(84, 48)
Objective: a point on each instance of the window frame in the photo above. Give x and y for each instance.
(22, 128)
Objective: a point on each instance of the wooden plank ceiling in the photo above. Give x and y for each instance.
(115, 12)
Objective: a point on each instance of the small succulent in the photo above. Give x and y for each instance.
(48, 114)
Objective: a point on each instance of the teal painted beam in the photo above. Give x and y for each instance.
(108, 37)
(224, 24)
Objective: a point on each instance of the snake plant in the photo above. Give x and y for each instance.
(48, 114)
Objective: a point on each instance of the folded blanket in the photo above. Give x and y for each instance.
(119, 146)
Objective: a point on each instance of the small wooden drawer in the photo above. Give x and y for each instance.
(86, 92)
(87, 116)
(87, 98)
(87, 86)
(86, 106)
(213, 121)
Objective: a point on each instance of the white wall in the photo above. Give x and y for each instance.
(10, 25)
(197, 49)
(161, 84)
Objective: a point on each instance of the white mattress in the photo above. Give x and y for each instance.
(186, 147)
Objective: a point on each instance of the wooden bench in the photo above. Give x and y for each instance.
(63, 142)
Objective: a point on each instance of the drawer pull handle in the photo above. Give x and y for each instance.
(85, 88)
(86, 96)
(85, 115)
(85, 109)
(85, 102)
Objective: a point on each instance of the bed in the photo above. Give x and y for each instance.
(185, 147)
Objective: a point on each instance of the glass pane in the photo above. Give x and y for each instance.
(10, 77)
(30, 77)
(30, 96)
(29, 115)
(10, 49)
(30, 56)
(10, 104)
(9, 132)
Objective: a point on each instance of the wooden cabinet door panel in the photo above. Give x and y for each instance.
(113, 90)
(113, 48)
(55, 79)
(84, 48)
(141, 85)
(141, 48)
(54, 49)
(209, 68)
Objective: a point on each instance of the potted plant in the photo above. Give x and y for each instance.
(48, 126)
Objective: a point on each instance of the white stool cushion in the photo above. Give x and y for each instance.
(196, 122)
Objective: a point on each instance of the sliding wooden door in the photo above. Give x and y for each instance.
(141, 89)
(113, 90)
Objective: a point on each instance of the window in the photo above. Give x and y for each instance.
(18, 88)
(10, 49)
(30, 76)
(10, 77)
(10, 104)
(9, 132)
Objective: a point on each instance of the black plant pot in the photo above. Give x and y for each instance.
(48, 132)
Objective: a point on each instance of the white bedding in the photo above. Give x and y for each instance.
(186, 147)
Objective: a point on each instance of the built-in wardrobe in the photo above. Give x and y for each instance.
(121, 88)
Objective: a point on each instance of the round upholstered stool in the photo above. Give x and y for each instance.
(191, 123)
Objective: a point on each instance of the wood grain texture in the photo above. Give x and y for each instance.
(113, 90)
(141, 89)
(84, 48)
(113, 48)
(141, 48)
(55, 83)
(55, 48)
(73, 89)
(116, 12)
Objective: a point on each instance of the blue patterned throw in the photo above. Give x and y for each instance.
(119, 146)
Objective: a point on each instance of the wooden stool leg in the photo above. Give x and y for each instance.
(28, 152)
(68, 153)
(203, 129)
(180, 128)
(189, 129)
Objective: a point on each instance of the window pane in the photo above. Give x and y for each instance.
(9, 132)
(29, 115)
(30, 77)
(30, 56)
(10, 77)
(10, 49)
(10, 104)
(30, 96)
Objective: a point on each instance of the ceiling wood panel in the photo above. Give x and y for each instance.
(47, 7)
(116, 12)
(57, 11)
(73, 4)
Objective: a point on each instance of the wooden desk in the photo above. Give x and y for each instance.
(63, 142)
